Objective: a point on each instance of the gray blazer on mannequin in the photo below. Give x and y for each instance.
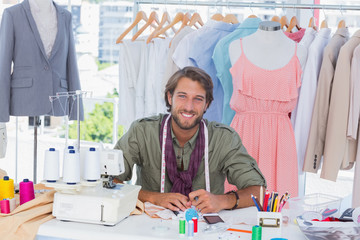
(25, 91)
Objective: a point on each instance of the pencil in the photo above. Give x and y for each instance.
(266, 200)
(238, 230)
(255, 201)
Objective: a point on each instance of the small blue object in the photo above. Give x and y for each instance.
(70, 147)
(25, 180)
(190, 213)
(71, 151)
(51, 149)
(92, 149)
(6, 178)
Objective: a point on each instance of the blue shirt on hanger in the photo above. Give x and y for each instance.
(201, 56)
(222, 63)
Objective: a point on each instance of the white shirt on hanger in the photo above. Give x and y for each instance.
(129, 64)
(307, 95)
(154, 94)
(306, 41)
(141, 79)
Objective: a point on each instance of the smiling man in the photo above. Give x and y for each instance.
(183, 159)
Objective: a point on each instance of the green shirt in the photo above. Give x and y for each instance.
(227, 157)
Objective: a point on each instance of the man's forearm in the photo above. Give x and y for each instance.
(147, 196)
(245, 196)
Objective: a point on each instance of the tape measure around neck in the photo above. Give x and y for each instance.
(163, 162)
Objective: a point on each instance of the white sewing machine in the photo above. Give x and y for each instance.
(91, 202)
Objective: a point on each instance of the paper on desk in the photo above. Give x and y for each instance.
(240, 216)
(155, 211)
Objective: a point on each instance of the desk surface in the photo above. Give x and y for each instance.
(142, 227)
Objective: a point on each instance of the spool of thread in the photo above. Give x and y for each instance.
(356, 216)
(191, 228)
(66, 152)
(51, 165)
(195, 220)
(256, 232)
(71, 171)
(12, 202)
(26, 188)
(92, 165)
(5, 206)
(6, 188)
(182, 226)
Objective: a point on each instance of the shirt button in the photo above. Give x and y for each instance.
(46, 68)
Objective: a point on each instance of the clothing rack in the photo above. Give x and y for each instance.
(248, 4)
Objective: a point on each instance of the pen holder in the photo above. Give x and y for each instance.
(271, 223)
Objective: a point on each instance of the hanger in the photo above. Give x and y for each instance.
(230, 18)
(164, 19)
(139, 16)
(217, 17)
(342, 24)
(185, 21)
(275, 19)
(196, 18)
(153, 17)
(252, 16)
(284, 22)
(178, 17)
(293, 23)
(324, 24)
(312, 23)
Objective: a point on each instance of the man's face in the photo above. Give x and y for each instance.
(188, 103)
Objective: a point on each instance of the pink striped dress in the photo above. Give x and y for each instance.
(263, 100)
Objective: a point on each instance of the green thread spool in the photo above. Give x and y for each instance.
(256, 232)
(182, 226)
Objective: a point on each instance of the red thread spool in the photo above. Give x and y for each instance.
(195, 220)
(5, 206)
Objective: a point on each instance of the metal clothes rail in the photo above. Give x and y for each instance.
(250, 4)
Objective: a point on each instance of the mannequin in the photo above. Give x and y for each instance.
(266, 77)
(44, 14)
(268, 48)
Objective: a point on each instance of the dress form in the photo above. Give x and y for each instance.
(44, 14)
(268, 48)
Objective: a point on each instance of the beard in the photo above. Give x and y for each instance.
(186, 125)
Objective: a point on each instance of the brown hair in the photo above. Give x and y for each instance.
(195, 74)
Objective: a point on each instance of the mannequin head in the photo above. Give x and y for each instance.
(269, 26)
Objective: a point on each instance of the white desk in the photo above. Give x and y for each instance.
(142, 227)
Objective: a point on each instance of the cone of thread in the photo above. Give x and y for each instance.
(6, 188)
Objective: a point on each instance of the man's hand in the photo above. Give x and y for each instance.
(209, 203)
(172, 201)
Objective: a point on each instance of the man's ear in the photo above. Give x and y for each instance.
(169, 96)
